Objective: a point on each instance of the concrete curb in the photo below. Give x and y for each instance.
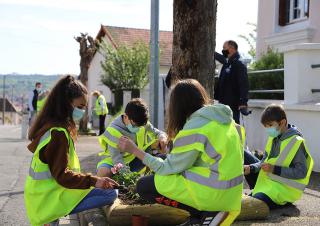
(93, 217)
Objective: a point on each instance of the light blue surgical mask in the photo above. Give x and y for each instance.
(77, 113)
(132, 129)
(273, 131)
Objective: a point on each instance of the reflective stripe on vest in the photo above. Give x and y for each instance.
(288, 182)
(282, 157)
(39, 175)
(213, 180)
(46, 174)
(238, 127)
(112, 138)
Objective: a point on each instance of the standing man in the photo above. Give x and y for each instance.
(101, 110)
(33, 99)
(232, 87)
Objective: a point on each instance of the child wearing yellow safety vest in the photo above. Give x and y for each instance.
(134, 124)
(54, 186)
(203, 173)
(285, 169)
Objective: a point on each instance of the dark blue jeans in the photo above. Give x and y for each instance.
(251, 179)
(96, 198)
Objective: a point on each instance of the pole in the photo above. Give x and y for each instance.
(154, 62)
(11, 114)
(4, 98)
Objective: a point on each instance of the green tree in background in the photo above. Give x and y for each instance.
(251, 39)
(124, 68)
(274, 80)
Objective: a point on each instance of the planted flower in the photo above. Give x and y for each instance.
(127, 181)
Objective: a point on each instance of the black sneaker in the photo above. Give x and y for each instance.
(213, 218)
(191, 222)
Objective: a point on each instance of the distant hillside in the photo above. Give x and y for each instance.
(18, 87)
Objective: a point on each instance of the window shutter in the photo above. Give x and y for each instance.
(282, 12)
(307, 10)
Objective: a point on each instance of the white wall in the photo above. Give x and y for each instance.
(270, 34)
(94, 81)
(300, 78)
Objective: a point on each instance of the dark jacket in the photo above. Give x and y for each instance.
(232, 86)
(35, 99)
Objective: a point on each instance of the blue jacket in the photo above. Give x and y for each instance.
(232, 86)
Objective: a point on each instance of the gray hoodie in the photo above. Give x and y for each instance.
(118, 124)
(298, 167)
(179, 162)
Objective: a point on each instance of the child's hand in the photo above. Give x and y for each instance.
(266, 167)
(126, 144)
(246, 169)
(106, 183)
(163, 141)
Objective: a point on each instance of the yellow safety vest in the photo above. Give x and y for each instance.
(111, 137)
(45, 199)
(99, 109)
(40, 104)
(215, 186)
(283, 190)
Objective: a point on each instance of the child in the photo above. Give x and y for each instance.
(203, 173)
(286, 166)
(134, 124)
(55, 187)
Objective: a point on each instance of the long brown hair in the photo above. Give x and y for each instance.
(58, 108)
(187, 96)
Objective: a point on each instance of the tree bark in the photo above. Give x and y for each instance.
(194, 28)
(86, 52)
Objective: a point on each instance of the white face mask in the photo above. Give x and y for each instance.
(77, 113)
(132, 129)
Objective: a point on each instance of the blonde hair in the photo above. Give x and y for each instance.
(96, 93)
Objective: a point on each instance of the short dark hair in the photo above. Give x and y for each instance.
(137, 111)
(273, 113)
(38, 83)
(233, 44)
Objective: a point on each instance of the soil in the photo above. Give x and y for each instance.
(126, 200)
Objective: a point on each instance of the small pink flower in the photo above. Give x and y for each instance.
(113, 170)
(119, 166)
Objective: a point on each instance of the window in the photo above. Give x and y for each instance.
(291, 11)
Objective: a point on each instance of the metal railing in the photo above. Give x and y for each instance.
(315, 66)
(259, 72)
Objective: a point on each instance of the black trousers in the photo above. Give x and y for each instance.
(236, 114)
(102, 126)
(147, 190)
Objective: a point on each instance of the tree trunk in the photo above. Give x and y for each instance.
(194, 27)
(86, 52)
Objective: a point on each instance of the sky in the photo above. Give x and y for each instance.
(37, 36)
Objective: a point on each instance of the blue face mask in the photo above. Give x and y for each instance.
(272, 131)
(77, 113)
(132, 129)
